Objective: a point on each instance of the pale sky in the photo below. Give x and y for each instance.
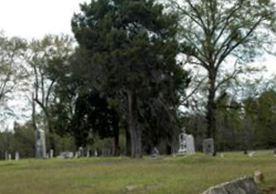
(35, 18)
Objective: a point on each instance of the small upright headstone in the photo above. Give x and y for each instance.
(10, 157)
(51, 153)
(6, 155)
(16, 156)
(77, 155)
(155, 152)
(208, 146)
(80, 152)
(40, 144)
(95, 153)
(88, 153)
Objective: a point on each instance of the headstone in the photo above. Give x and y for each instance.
(51, 153)
(186, 144)
(208, 146)
(9, 157)
(16, 156)
(95, 153)
(40, 144)
(80, 152)
(88, 153)
(190, 145)
(6, 155)
(251, 154)
(77, 154)
(66, 155)
(155, 152)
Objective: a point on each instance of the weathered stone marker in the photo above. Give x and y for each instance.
(51, 155)
(245, 185)
(186, 144)
(16, 157)
(40, 144)
(208, 146)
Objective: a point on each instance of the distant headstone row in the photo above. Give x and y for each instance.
(8, 156)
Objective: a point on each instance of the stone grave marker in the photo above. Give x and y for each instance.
(155, 152)
(186, 144)
(51, 155)
(40, 144)
(16, 157)
(208, 146)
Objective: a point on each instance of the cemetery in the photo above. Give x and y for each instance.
(138, 96)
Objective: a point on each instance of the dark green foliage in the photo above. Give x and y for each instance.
(128, 51)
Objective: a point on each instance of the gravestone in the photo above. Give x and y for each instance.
(16, 157)
(190, 145)
(6, 155)
(51, 155)
(9, 157)
(80, 152)
(155, 153)
(186, 144)
(66, 155)
(88, 153)
(208, 146)
(40, 144)
(95, 153)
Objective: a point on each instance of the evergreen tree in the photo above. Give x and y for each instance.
(128, 51)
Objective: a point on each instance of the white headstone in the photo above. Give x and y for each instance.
(9, 157)
(16, 156)
(96, 153)
(6, 155)
(80, 152)
(40, 144)
(190, 144)
(88, 153)
(51, 153)
(186, 144)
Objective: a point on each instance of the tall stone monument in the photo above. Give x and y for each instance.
(40, 144)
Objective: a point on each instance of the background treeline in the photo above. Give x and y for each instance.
(137, 72)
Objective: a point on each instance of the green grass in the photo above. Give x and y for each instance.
(186, 175)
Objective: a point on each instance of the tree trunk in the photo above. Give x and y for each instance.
(116, 147)
(128, 142)
(133, 126)
(211, 107)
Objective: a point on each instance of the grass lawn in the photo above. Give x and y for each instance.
(186, 175)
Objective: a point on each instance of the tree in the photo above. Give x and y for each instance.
(215, 33)
(44, 58)
(12, 70)
(128, 51)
